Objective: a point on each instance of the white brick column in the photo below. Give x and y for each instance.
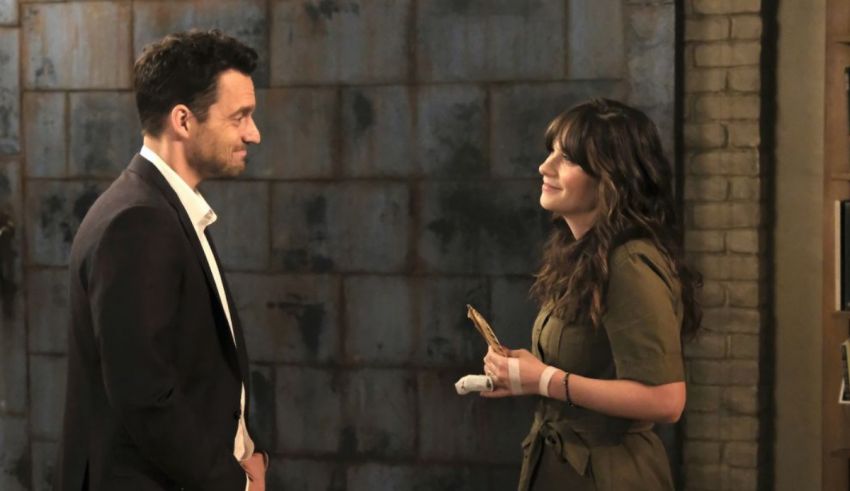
(724, 237)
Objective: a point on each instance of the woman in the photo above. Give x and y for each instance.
(616, 299)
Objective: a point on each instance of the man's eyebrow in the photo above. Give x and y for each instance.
(244, 110)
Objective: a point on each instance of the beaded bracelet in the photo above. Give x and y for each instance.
(567, 389)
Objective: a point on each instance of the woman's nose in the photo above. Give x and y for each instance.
(545, 167)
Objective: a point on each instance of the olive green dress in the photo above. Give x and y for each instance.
(576, 449)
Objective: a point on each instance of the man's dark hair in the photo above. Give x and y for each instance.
(183, 68)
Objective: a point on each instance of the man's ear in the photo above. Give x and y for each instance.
(180, 120)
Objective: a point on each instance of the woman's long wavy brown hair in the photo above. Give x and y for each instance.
(620, 148)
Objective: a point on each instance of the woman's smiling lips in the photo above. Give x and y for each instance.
(548, 188)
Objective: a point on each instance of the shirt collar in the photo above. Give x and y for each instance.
(200, 212)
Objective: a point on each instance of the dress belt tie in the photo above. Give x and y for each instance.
(573, 445)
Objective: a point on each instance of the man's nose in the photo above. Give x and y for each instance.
(253, 134)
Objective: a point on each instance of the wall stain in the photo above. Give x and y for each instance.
(327, 8)
(254, 30)
(310, 318)
(5, 187)
(22, 470)
(474, 216)
(316, 211)
(338, 480)
(530, 125)
(448, 481)
(8, 269)
(303, 260)
(51, 211)
(460, 152)
(439, 347)
(348, 441)
(54, 215)
(6, 128)
(84, 202)
(482, 9)
(364, 113)
(46, 73)
(381, 441)
(98, 133)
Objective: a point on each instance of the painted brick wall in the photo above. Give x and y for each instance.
(397, 181)
(725, 236)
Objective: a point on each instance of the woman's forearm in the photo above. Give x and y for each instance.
(622, 398)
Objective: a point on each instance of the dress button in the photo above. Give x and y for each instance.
(550, 440)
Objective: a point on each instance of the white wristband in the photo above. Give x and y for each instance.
(513, 376)
(545, 377)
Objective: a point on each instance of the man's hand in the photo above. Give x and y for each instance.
(255, 468)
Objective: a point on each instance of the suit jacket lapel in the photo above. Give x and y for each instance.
(147, 171)
(241, 351)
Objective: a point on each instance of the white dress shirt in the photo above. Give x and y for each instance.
(202, 215)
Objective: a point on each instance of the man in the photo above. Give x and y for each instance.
(157, 366)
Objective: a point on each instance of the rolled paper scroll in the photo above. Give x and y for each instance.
(485, 330)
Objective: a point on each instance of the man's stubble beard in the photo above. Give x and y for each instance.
(209, 166)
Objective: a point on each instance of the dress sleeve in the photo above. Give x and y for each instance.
(641, 320)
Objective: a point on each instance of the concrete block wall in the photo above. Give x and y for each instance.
(15, 447)
(725, 237)
(396, 182)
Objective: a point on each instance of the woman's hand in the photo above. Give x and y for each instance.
(496, 366)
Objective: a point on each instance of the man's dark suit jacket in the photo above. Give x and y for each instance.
(154, 378)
